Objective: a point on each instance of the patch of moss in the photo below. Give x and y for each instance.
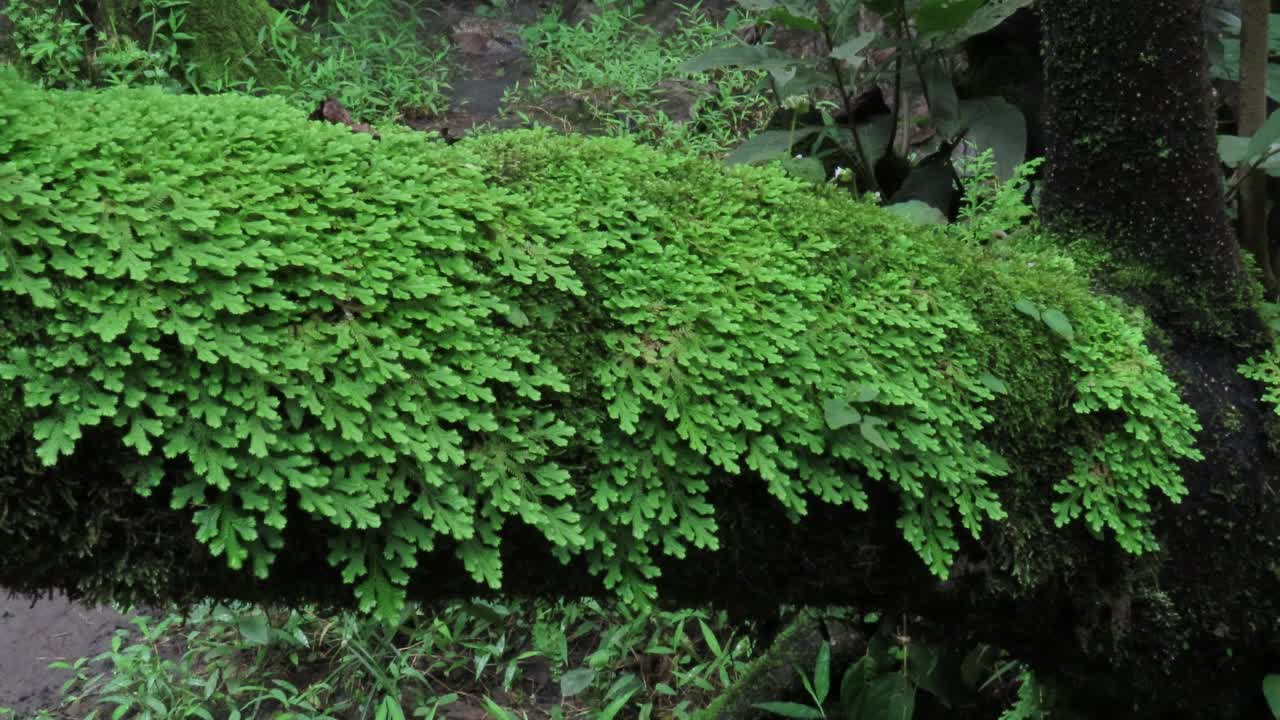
(414, 345)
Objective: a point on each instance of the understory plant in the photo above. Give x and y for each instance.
(618, 74)
(864, 47)
(49, 40)
(509, 659)
(368, 55)
(142, 43)
(394, 346)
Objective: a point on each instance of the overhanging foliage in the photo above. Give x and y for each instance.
(417, 344)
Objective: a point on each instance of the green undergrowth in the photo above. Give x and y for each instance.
(1265, 367)
(467, 659)
(417, 345)
(617, 74)
(366, 53)
(369, 55)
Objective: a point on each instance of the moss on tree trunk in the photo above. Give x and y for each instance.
(1132, 159)
(1131, 151)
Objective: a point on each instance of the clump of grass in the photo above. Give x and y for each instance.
(370, 57)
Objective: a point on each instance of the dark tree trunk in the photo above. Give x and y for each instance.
(1131, 151)
(1132, 159)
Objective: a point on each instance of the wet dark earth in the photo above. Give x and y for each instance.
(50, 630)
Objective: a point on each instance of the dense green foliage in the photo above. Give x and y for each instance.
(420, 343)
(365, 53)
(531, 660)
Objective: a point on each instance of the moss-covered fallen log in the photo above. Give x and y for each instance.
(250, 356)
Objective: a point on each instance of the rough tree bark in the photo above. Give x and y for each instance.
(1131, 152)
(1131, 156)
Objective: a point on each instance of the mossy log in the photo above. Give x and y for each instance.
(250, 356)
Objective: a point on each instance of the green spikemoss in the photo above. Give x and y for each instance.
(419, 344)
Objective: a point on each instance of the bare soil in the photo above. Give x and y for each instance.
(34, 635)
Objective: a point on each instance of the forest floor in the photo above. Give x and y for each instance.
(33, 635)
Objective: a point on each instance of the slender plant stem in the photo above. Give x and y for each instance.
(863, 159)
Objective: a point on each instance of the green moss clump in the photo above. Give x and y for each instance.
(418, 344)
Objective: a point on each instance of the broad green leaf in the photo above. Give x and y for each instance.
(993, 383)
(575, 681)
(796, 15)
(918, 212)
(871, 434)
(709, 638)
(987, 17)
(839, 413)
(612, 709)
(943, 17)
(768, 145)
(516, 317)
(1027, 307)
(1059, 324)
(874, 136)
(782, 76)
(994, 123)
(944, 105)
(808, 169)
(497, 711)
(1227, 22)
(255, 628)
(389, 709)
(1271, 691)
(1232, 149)
(793, 21)
(855, 680)
(926, 670)
(790, 710)
(848, 51)
(887, 697)
(977, 665)
(1268, 134)
(802, 80)
(822, 673)
(887, 8)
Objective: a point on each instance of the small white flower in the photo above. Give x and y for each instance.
(796, 103)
